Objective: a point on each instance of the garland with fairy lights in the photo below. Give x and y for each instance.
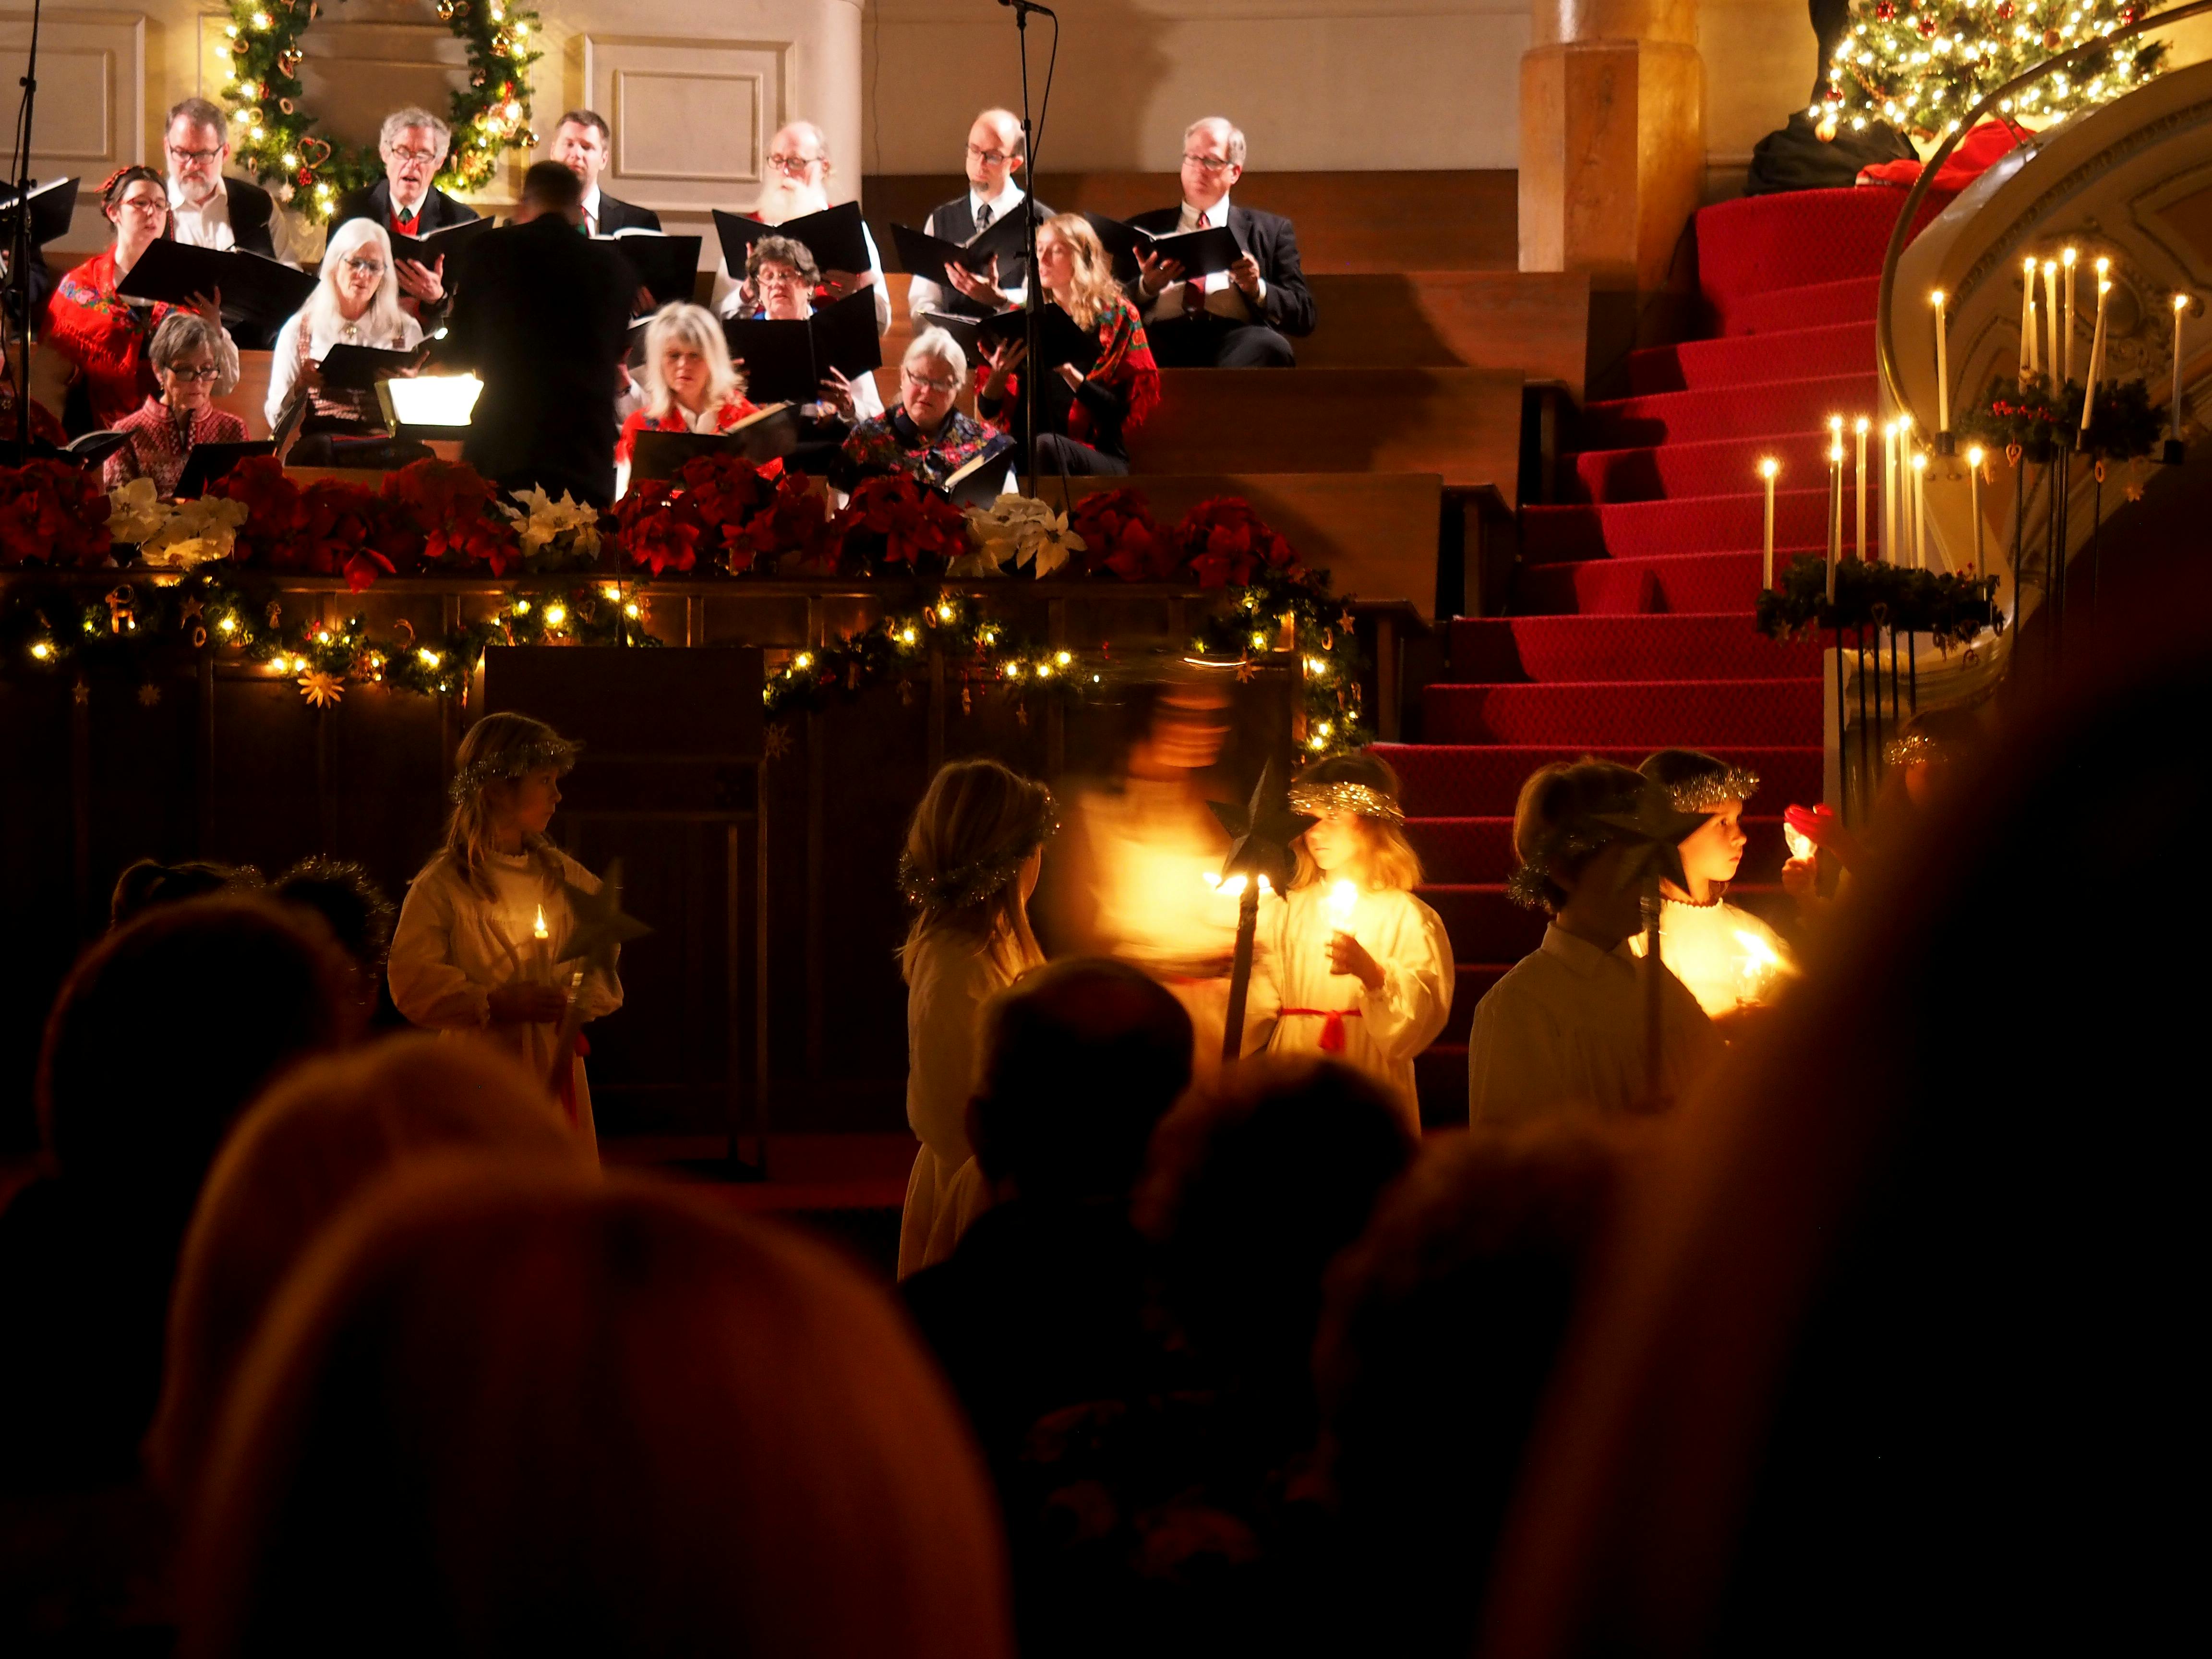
(272, 134)
(1921, 65)
(1953, 610)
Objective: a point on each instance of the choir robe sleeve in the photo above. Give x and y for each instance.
(1407, 1012)
(427, 986)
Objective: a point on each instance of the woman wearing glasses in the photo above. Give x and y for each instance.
(106, 336)
(166, 428)
(924, 437)
(357, 303)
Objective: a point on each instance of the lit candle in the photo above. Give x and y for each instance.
(1767, 469)
(1755, 969)
(1888, 549)
(2050, 320)
(1919, 509)
(1974, 499)
(2066, 259)
(1343, 899)
(1859, 482)
(1942, 367)
(2180, 310)
(2026, 318)
(2096, 347)
(1835, 515)
(544, 936)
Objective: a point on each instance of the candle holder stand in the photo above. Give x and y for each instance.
(1947, 444)
(2171, 452)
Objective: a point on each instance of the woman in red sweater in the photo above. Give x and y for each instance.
(107, 336)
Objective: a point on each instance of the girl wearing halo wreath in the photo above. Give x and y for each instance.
(478, 950)
(972, 856)
(1363, 967)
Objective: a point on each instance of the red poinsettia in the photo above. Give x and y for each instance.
(914, 523)
(658, 528)
(725, 490)
(791, 522)
(1121, 534)
(267, 539)
(1223, 541)
(457, 509)
(51, 512)
(343, 526)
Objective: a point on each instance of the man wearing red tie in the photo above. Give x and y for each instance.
(413, 144)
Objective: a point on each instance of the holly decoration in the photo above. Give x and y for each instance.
(1922, 73)
(272, 132)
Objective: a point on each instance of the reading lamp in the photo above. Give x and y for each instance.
(429, 405)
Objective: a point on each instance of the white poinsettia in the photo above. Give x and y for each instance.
(197, 530)
(541, 520)
(1024, 531)
(136, 512)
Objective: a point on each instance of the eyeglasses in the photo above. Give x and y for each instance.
(990, 158)
(792, 166)
(1210, 163)
(194, 154)
(417, 155)
(366, 267)
(146, 203)
(944, 388)
(205, 372)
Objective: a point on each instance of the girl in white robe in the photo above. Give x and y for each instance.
(1363, 968)
(1729, 958)
(972, 857)
(480, 950)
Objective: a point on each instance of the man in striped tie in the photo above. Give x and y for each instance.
(996, 157)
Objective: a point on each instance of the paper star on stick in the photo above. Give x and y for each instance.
(1654, 833)
(602, 924)
(1261, 832)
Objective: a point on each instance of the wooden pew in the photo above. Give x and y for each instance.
(1374, 533)
(246, 398)
(1463, 424)
(1352, 221)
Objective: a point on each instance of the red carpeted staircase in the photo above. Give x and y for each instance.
(1631, 627)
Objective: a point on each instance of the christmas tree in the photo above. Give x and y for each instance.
(1921, 65)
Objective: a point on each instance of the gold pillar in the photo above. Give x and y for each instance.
(1613, 138)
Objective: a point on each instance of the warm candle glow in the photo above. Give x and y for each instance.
(1343, 898)
(1974, 457)
(540, 930)
(1769, 467)
(1974, 502)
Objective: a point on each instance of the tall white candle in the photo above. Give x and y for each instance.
(1919, 510)
(1888, 548)
(1767, 469)
(1859, 480)
(1942, 367)
(2026, 318)
(2096, 348)
(2180, 310)
(2050, 320)
(2066, 259)
(1974, 500)
(1835, 513)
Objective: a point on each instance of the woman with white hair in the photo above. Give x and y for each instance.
(689, 382)
(925, 436)
(357, 303)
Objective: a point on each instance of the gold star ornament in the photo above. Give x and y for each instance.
(322, 690)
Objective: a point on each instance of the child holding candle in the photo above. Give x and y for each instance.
(973, 855)
(1363, 967)
(1728, 958)
(467, 958)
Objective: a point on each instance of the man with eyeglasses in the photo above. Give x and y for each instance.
(413, 144)
(796, 184)
(1236, 318)
(582, 143)
(207, 210)
(996, 152)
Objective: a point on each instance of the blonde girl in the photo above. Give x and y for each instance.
(469, 955)
(1364, 969)
(972, 855)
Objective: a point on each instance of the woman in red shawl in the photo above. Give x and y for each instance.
(108, 337)
(1081, 416)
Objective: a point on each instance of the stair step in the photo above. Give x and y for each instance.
(1644, 529)
(1478, 781)
(1735, 412)
(1738, 360)
(1720, 466)
(1724, 646)
(1816, 305)
(1683, 582)
(1698, 713)
(1480, 849)
(1483, 922)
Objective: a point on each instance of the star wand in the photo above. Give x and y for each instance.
(602, 927)
(1260, 833)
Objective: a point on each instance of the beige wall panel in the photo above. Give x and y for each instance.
(691, 118)
(89, 117)
(1760, 60)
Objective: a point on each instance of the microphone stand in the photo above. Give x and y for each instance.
(1033, 285)
(18, 291)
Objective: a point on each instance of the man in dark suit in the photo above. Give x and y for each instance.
(542, 316)
(1235, 319)
(582, 143)
(413, 144)
(207, 210)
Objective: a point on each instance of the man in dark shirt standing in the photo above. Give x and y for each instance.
(542, 316)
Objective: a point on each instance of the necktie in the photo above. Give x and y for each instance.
(1193, 290)
(405, 221)
(982, 218)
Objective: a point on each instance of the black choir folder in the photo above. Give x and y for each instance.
(209, 462)
(358, 368)
(52, 207)
(1200, 253)
(760, 437)
(787, 362)
(254, 287)
(667, 266)
(925, 256)
(428, 250)
(836, 237)
(1060, 339)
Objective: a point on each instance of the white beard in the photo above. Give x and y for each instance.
(783, 199)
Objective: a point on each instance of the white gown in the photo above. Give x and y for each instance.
(1565, 1031)
(950, 981)
(1727, 956)
(454, 947)
(1384, 1029)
